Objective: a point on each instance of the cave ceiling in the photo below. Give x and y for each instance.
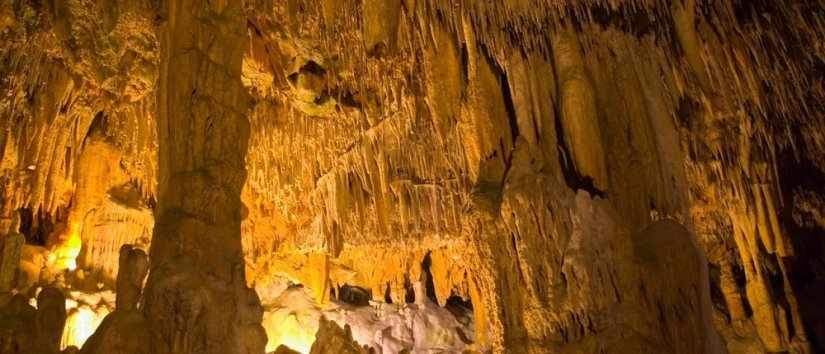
(591, 175)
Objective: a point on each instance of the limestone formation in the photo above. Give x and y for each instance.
(196, 299)
(331, 338)
(578, 114)
(125, 330)
(132, 271)
(25, 329)
(10, 260)
(50, 318)
(565, 176)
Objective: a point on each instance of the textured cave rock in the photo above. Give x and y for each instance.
(10, 259)
(587, 176)
(26, 329)
(126, 329)
(331, 338)
(196, 298)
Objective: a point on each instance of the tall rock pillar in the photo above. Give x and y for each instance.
(10, 246)
(196, 300)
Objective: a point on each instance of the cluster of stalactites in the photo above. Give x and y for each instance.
(732, 58)
(71, 70)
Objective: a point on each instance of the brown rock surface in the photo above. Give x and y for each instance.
(331, 338)
(10, 260)
(591, 176)
(28, 330)
(196, 299)
(125, 330)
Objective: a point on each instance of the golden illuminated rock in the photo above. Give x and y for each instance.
(553, 176)
(196, 299)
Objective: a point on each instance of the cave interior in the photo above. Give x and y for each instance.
(412, 176)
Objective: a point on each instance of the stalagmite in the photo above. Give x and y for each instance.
(12, 244)
(25, 329)
(125, 330)
(499, 176)
(51, 316)
(132, 271)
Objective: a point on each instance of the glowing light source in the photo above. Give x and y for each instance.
(290, 332)
(80, 325)
(64, 255)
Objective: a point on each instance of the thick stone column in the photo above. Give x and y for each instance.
(196, 299)
(131, 272)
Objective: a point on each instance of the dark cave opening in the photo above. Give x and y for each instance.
(806, 268)
(37, 226)
(354, 295)
(409, 295)
(429, 285)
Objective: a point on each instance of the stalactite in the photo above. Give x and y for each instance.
(525, 146)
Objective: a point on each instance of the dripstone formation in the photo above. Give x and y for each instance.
(354, 176)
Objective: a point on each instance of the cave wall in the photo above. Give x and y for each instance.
(555, 161)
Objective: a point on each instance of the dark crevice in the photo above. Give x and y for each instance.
(321, 99)
(741, 285)
(806, 268)
(514, 244)
(627, 19)
(454, 302)
(309, 68)
(36, 227)
(409, 297)
(379, 50)
(67, 161)
(716, 295)
(428, 277)
(572, 178)
(354, 295)
(510, 107)
(314, 68)
(97, 129)
(293, 78)
(253, 26)
(465, 63)
(687, 111)
(348, 98)
(462, 310)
